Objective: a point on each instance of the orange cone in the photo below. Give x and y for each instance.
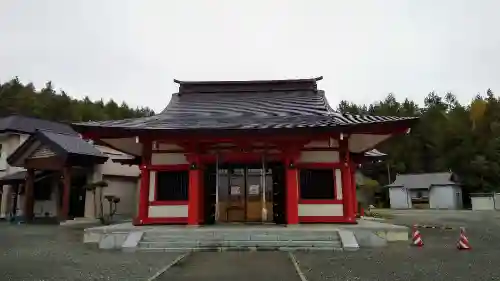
(463, 242)
(416, 237)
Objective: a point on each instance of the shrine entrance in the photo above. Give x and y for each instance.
(245, 193)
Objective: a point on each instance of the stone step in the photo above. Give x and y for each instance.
(223, 249)
(239, 240)
(156, 237)
(238, 244)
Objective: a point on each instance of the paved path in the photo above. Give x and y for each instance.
(241, 266)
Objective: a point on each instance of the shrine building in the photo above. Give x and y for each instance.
(247, 152)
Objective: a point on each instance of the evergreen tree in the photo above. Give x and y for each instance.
(47, 103)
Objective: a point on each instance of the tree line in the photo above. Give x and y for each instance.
(47, 103)
(450, 136)
(462, 138)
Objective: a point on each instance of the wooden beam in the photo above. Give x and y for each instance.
(63, 216)
(29, 195)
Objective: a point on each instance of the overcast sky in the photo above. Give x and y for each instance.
(132, 50)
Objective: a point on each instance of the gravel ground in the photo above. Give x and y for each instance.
(48, 252)
(38, 252)
(437, 260)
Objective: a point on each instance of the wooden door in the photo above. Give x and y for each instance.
(236, 203)
(254, 195)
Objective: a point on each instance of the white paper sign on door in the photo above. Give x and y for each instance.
(254, 189)
(235, 190)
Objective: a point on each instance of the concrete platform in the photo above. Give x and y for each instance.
(128, 237)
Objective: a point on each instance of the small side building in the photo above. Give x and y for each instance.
(42, 154)
(428, 190)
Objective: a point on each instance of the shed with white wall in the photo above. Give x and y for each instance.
(439, 190)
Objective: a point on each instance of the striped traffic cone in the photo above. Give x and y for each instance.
(416, 237)
(463, 242)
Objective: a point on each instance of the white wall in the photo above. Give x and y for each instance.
(444, 197)
(399, 198)
(125, 189)
(168, 211)
(483, 203)
(319, 157)
(10, 142)
(321, 210)
(111, 168)
(122, 182)
(168, 159)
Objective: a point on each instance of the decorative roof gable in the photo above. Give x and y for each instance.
(45, 145)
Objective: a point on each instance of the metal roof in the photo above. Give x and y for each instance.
(254, 105)
(72, 144)
(20, 176)
(61, 144)
(28, 125)
(418, 181)
(374, 153)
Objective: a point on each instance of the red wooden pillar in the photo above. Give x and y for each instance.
(292, 191)
(201, 193)
(353, 185)
(63, 216)
(145, 179)
(347, 190)
(29, 195)
(195, 190)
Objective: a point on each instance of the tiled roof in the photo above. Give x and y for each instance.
(72, 144)
(425, 180)
(236, 105)
(374, 153)
(28, 125)
(62, 145)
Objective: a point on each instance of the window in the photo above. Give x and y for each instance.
(172, 185)
(317, 184)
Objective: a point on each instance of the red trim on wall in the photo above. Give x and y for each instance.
(320, 201)
(292, 192)
(239, 157)
(144, 188)
(174, 167)
(168, 203)
(194, 188)
(346, 182)
(325, 219)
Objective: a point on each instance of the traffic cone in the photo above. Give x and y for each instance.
(463, 242)
(416, 237)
